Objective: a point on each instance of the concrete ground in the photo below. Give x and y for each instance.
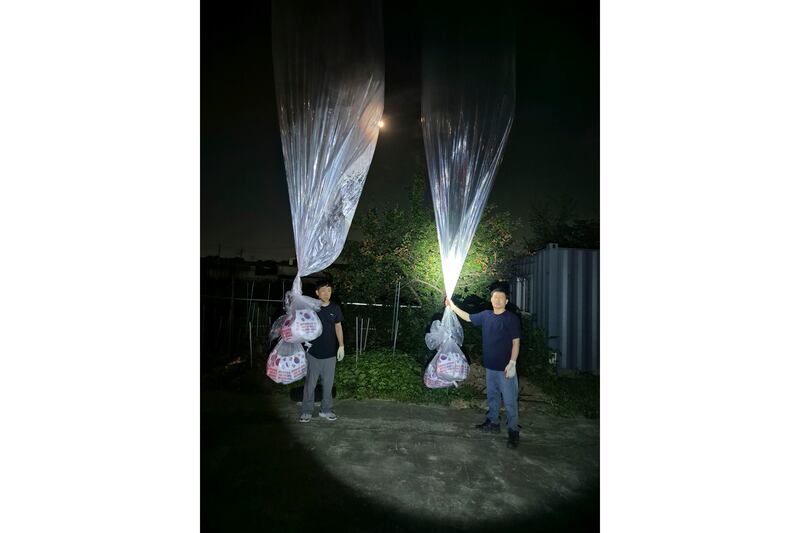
(386, 466)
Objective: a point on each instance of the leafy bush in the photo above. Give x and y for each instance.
(572, 395)
(379, 374)
(534, 352)
(401, 245)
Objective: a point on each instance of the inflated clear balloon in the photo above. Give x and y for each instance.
(468, 97)
(329, 83)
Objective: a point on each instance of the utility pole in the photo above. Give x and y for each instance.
(230, 313)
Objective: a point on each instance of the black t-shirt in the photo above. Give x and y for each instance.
(498, 332)
(326, 345)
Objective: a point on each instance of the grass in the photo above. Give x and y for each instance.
(378, 374)
(575, 395)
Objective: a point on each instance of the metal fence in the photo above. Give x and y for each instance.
(560, 287)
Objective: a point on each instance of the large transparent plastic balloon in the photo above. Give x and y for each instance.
(329, 81)
(468, 94)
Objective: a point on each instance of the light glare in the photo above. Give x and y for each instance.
(451, 269)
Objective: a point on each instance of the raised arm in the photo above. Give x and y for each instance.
(462, 314)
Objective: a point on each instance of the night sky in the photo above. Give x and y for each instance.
(552, 152)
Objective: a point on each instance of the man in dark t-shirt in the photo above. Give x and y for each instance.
(325, 350)
(501, 333)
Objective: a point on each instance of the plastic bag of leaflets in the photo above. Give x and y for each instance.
(300, 323)
(449, 366)
(287, 361)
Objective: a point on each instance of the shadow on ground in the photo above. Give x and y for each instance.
(373, 469)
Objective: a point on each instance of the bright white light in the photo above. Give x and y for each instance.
(380, 124)
(451, 269)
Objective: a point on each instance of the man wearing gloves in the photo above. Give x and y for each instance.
(323, 354)
(501, 334)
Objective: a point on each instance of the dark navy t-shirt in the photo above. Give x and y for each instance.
(498, 332)
(327, 344)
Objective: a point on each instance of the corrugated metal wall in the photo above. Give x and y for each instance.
(560, 287)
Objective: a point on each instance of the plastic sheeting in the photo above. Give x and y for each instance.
(329, 78)
(447, 328)
(329, 83)
(449, 365)
(468, 96)
(300, 324)
(287, 362)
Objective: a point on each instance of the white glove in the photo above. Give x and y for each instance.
(340, 353)
(511, 369)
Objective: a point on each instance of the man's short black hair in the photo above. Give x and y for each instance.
(499, 289)
(323, 283)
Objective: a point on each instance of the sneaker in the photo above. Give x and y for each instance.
(487, 426)
(330, 415)
(305, 417)
(513, 439)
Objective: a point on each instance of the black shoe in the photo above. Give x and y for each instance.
(513, 439)
(487, 426)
